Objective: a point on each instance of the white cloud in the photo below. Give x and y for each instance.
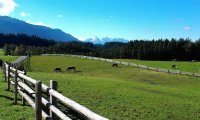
(24, 14)
(59, 16)
(187, 28)
(37, 23)
(7, 7)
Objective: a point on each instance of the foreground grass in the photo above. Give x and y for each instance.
(8, 111)
(124, 92)
(183, 66)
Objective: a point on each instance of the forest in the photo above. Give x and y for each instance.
(161, 49)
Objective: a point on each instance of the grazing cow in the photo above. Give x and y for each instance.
(1, 62)
(57, 70)
(174, 66)
(70, 68)
(115, 65)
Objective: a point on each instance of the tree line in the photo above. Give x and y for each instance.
(161, 49)
(18, 39)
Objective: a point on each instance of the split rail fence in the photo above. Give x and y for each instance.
(32, 91)
(130, 64)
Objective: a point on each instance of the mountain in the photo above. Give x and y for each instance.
(97, 40)
(11, 25)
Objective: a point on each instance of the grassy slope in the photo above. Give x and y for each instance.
(184, 66)
(124, 92)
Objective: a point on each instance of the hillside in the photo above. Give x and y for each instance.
(15, 26)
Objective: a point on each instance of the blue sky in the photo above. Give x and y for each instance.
(129, 19)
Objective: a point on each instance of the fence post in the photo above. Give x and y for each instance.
(8, 78)
(3, 67)
(53, 101)
(5, 72)
(38, 100)
(23, 99)
(15, 87)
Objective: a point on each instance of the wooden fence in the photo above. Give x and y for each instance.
(33, 92)
(130, 64)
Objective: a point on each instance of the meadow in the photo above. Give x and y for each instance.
(123, 93)
(187, 66)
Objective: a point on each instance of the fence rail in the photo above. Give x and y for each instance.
(34, 96)
(130, 64)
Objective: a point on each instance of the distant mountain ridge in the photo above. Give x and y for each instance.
(104, 40)
(11, 25)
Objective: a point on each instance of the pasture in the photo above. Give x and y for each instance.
(123, 92)
(187, 66)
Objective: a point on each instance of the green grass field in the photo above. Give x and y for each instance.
(1, 52)
(183, 66)
(7, 58)
(124, 93)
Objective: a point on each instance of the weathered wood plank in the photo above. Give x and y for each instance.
(15, 87)
(59, 113)
(38, 101)
(53, 100)
(72, 104)
(30, 101)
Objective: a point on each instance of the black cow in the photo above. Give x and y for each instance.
(115, 65)
(1, 63)
(57, 70)
(71, 68)
(174, 66)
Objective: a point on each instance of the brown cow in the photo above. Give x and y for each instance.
(115, 65)
(57, 70)
(71, 68)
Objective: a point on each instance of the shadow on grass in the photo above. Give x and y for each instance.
(12, 99)
(9, 98)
